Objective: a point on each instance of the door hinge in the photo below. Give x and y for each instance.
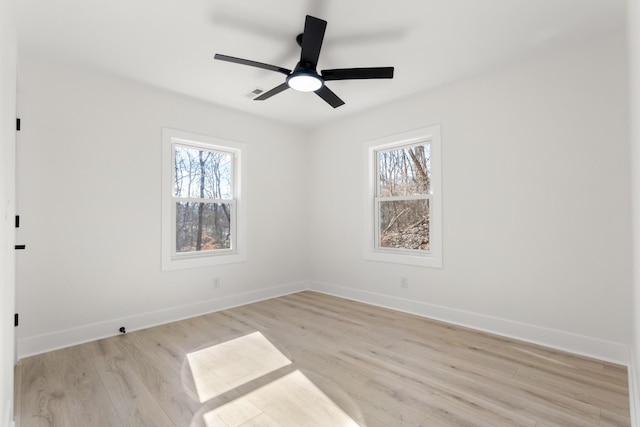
(20, 247)
(18, 124)
(15, 319)
(17, 221)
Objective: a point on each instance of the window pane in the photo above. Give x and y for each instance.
(202, 226)
(404, 171)
(404, 224)
(202, 173)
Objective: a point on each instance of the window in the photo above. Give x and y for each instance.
(404, 205)
(202, 211)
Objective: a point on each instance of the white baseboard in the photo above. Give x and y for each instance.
(47, 342)
(578, 344)
(560, 340)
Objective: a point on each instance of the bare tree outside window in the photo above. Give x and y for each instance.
(203, 191)
(403, 192)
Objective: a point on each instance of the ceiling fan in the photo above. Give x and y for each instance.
(304, 77)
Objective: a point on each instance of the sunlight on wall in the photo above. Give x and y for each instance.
(292, 400)
(223, 367)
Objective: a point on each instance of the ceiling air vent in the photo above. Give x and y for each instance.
(257, 91)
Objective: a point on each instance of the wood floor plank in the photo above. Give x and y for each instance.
(579, 390)
(611, 419)
(274, 362)
(151, 358)
(45, 401)
(80, 393)
(129, 394)
(460, 385)
(85, 390)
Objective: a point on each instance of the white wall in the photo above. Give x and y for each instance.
(89, 172)
(7, 206)
(536, 183)
(536, 204)
(634, 73)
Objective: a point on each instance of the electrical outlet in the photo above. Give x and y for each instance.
(404, 282)
(216, 282)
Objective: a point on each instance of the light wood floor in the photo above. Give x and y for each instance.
(313, 360)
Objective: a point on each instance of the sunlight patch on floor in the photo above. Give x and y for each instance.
(290, 401)
(225, 366)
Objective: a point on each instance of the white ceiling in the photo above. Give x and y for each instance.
(170, 43)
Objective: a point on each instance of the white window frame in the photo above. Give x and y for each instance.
(171, 260)
(372, 251)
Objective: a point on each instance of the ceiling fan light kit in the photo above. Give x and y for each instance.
(304, 81)
(304, 77)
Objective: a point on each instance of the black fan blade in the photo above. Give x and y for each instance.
(358, 73)
(276, 90)
(331, 98)
(252, 63)
(312, 41)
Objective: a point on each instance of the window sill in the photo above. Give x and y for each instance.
(407, 259)
(180, 263)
